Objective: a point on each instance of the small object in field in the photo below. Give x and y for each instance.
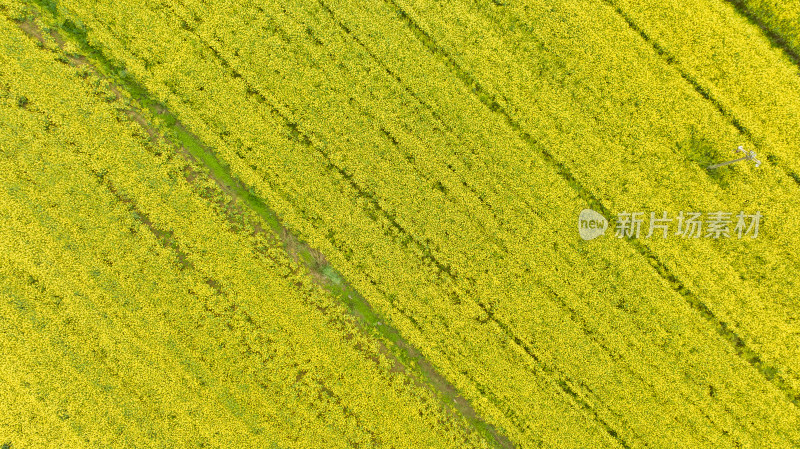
(749, 156)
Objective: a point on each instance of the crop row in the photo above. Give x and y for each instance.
(780, 20)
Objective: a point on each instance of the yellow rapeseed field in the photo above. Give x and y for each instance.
(330, 223)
